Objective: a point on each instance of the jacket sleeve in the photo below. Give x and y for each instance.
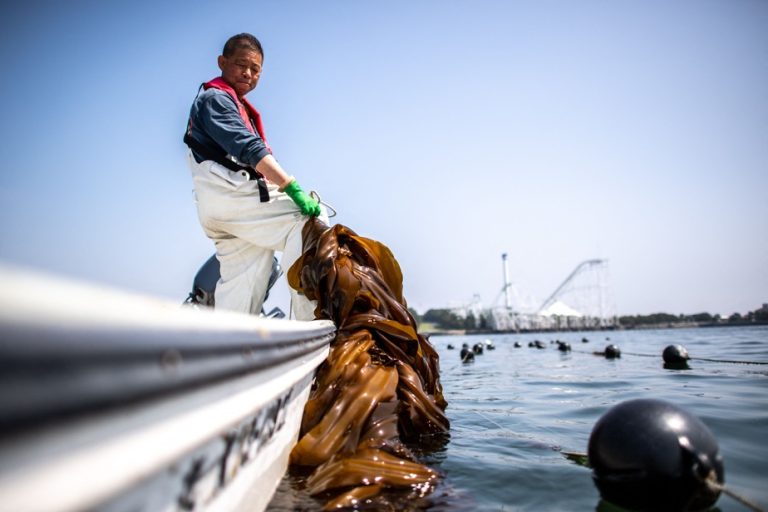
(222, 122)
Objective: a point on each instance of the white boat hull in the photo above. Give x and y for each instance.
(148, 408)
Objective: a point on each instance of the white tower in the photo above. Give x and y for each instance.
(507, 302)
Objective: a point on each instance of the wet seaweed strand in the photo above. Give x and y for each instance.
(379, 386)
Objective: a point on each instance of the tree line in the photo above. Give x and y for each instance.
(757, 316)
(446, 319)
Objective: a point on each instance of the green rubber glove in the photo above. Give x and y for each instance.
(306, 204)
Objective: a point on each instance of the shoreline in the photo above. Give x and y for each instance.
(643, 327)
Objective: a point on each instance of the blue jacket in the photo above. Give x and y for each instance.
(215, 123)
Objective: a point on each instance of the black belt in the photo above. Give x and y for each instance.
(221, 159)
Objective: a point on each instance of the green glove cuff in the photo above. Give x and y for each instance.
(306, 204)
(292, 189)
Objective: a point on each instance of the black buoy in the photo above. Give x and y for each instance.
(467, 356)
(612, 352)
(489, 345)
(649, 454)
(563, 346)
(675, 357)
(450, 347)
(477, 348)
(517, 344)
(584, 340)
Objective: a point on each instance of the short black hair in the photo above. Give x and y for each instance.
(244, 40)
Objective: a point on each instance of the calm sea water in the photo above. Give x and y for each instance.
(515, 410)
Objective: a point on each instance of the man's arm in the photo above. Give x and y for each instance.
(273, 171)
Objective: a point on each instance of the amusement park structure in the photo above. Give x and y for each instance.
(582, 301)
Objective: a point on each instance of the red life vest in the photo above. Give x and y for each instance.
(247, 111)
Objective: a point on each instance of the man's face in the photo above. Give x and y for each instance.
(241, 70)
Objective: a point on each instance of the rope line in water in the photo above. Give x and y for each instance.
(486, 418)
(639, 355)
(714, 485)
(729, 361)
(726, 361)
(510, 433)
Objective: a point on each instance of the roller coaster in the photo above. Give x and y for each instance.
(582, 301)
(586, 291)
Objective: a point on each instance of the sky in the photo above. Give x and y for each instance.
(451, 131)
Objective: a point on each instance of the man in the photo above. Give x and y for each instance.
(247, 204)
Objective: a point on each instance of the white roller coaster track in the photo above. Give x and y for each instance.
(586, 290)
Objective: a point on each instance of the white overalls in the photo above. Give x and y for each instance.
(247, 232)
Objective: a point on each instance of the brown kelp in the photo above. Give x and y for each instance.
(379, 387)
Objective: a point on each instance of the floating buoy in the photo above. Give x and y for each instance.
(611, 352)
(562, 346)
(517, 344)
(649, 454)
(489, 345)
(675, 357)
(449, 347)
(477, 348)
(584, 340)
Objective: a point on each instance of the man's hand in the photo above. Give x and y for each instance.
(307, 205)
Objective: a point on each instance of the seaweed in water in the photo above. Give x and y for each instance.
(379, 388)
